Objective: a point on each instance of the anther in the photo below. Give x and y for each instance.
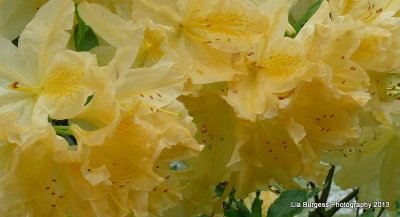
(15, 84)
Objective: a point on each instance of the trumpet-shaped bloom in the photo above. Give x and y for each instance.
(371, 165)
(136, 152)
(218, 130)
(333, 45)
(44, 179)
(40, 77)
(225, 25)
(134, 128)
(367, 11)
(269, 80)
(203, 42)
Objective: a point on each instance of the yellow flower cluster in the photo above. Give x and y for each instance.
(213, 85)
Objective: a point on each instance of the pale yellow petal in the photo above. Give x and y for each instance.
(228, 25)
(156, 86)
(109, 26)
(14, 15)
(46, 34)
(11, 66)
(126, 53)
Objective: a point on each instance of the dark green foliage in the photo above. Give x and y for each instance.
(84, 37)
(368, 213)
(256, 207)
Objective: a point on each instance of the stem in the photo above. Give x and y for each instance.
(333, 210)
(358, 208)
(381, 211)
(320, 211)
(316, 199)
(328, 183)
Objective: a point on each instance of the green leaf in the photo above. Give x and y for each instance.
(313, 193)
(231, 212)
(256, 207)
(282, 206)
(242, 209)
(310, 12)
(367, 213)
(84, 37)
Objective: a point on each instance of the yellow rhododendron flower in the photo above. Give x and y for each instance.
(173, 101)
(217, 131)
(371, 164)
(201, 49)
(41, 78)
(225, 25)
(368, 11)
(333, 45)
(136, 152)
(269, 79)
(45, 179)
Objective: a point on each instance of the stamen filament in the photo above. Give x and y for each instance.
(162, 110)
(30, 90)
(119, 204)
